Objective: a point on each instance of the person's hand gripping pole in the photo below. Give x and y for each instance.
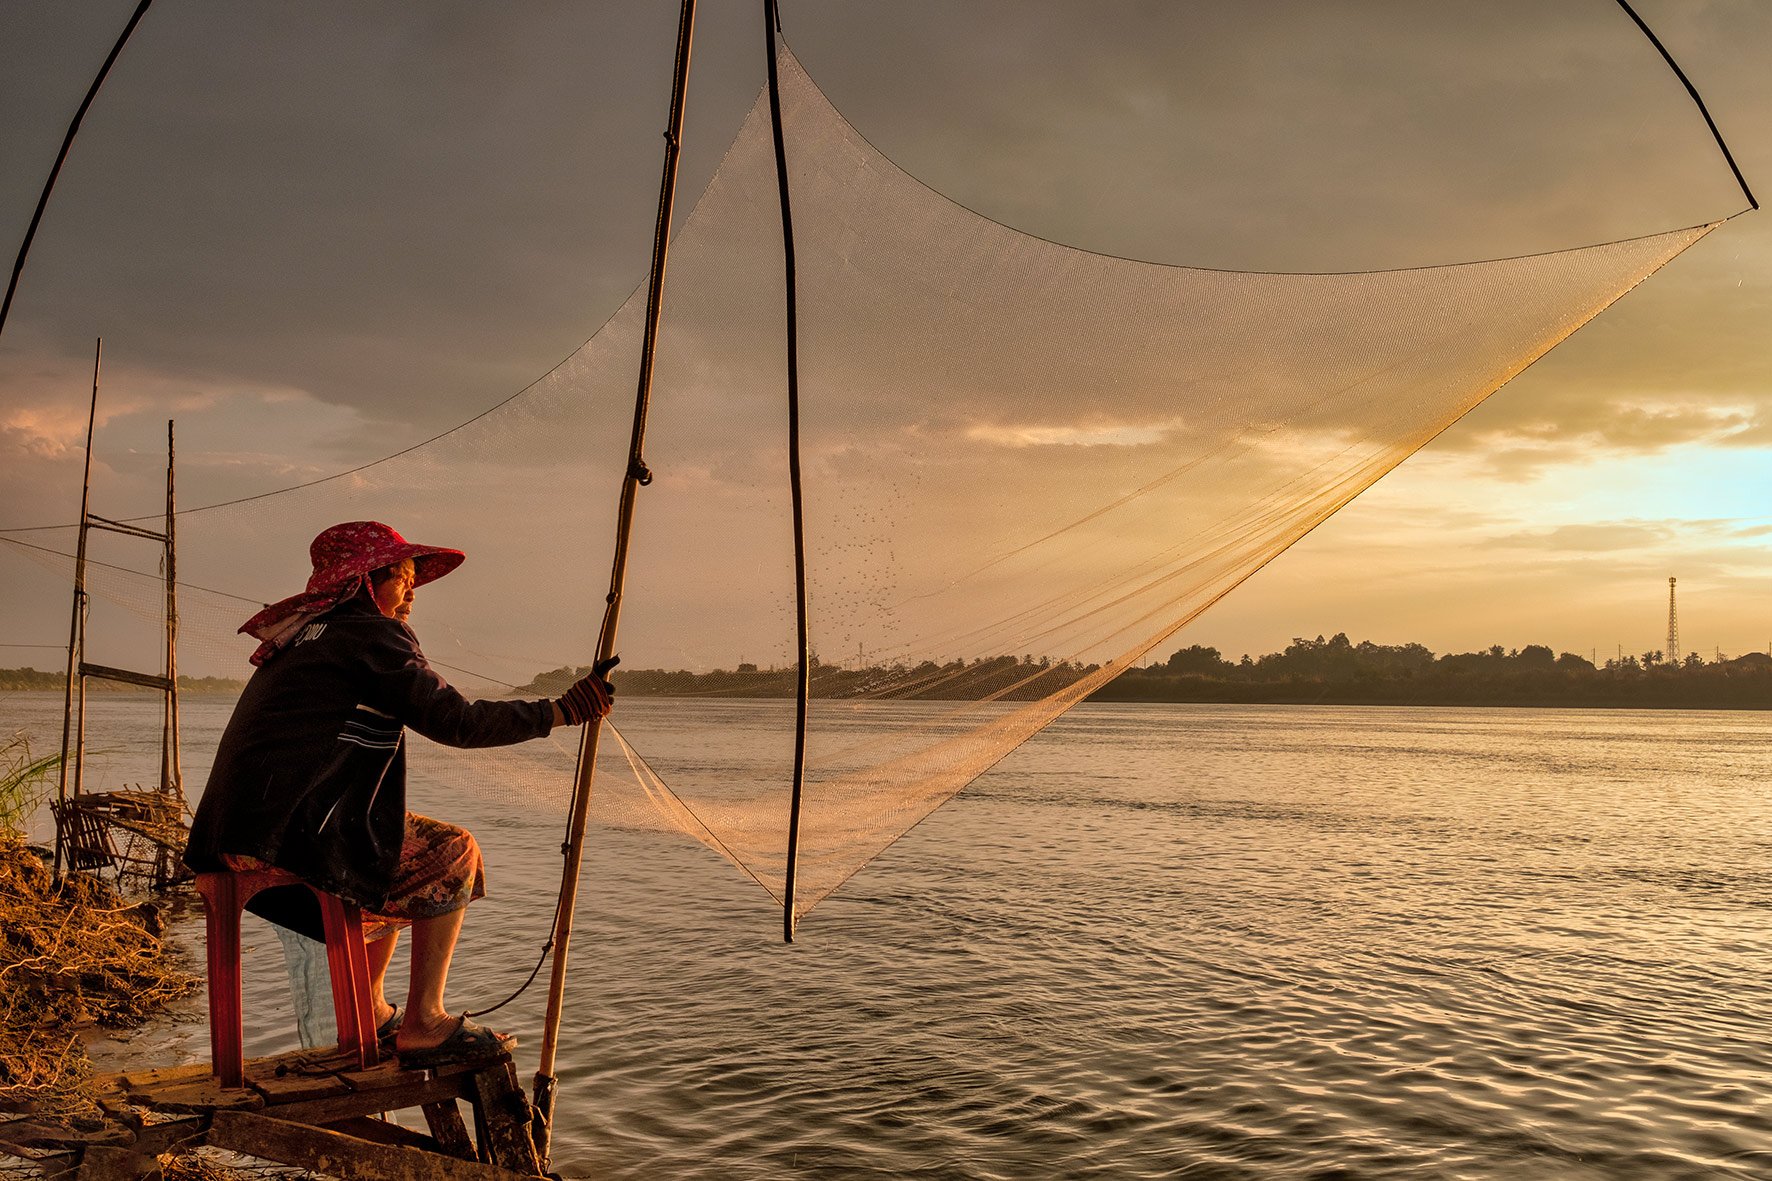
(591, 696)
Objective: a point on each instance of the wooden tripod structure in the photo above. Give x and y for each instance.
(84, 820)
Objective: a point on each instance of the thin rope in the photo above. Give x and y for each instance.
(533, 972)
(1693, 91)
(24, 248)
(209, 590)
(802, 685)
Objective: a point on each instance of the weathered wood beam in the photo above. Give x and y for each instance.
(94, 521)
(105, 672)
(101, 1162)
(332, 1108)
(508, 1117)
(339, 1155)
(444, 1118)
(383, 1131)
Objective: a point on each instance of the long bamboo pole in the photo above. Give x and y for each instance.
(803, 678)
(24, 249)
(169, 768)
(76, 630)
(636, 477)
(172, 780)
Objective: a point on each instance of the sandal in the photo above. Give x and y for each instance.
(385, 1032)
(471, 1042)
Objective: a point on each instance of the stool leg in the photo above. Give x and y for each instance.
(365, 1000)
(347, 962)
(221, 901)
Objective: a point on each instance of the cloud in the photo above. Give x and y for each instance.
(1087, 434)
(351, 228)
(1590, 539)
(1517, 442)
(43, 432)
(1757, 432)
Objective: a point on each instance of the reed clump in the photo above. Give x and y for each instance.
(74, 954)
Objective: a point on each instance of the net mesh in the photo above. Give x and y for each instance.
(1025, 466)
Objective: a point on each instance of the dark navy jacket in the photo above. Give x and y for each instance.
(311, 771)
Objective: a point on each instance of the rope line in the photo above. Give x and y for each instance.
(24, 248)
(1696, 98)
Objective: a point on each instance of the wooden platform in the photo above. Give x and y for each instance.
(304, 1109)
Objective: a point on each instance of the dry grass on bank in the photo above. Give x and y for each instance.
(72, 956)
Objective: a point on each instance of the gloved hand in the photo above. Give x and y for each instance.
(591, 696)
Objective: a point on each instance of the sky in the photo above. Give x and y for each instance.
(315, 234)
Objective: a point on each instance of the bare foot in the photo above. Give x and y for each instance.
(421, 1033)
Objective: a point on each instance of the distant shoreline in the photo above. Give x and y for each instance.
(1323, 671)
(1302, 696)
(1296, 695)
(1332, 671)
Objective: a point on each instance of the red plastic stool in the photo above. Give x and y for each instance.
(225, 895)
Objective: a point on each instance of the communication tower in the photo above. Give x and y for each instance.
(1673, 627)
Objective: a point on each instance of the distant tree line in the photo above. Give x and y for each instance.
(1328, 671)
(1336, 670)
(1002, 678)
(1331, 670)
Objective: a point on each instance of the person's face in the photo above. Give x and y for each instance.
(392, 589)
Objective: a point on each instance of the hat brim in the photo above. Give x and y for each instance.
(431, 562)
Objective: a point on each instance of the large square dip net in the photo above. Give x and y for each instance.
(1025, 465)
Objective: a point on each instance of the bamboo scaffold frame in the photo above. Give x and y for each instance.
(82, 817)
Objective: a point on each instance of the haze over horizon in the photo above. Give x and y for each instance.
(318, 235)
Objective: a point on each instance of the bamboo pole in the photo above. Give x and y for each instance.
(171, 774)
(175, 768)
(636, 477)
(24, 249)
(76, 630)
(803, 678)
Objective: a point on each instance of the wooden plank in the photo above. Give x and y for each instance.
(444, 1119)
(143, 1079)
(105, 672)
(312, 1063)
(103, 1163)
(28, 1133)
(337, 1107)
(204, 1094)
(339, 1155)
(293, 1088)
(52, 1165)
(168, 1135)
(381, 1077)
(508, 1117)
(56, 1166)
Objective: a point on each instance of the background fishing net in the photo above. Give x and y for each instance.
(1025, 466)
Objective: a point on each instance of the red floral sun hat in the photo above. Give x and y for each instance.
(343, 557)
(345, 553)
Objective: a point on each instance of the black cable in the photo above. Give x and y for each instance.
(772, 22)
(67, 142)
(1693, 91)
(533, 972)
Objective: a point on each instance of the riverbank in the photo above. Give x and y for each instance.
(78, 957)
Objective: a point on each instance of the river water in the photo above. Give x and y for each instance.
(1160, 941)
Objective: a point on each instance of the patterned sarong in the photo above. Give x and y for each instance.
(440, 870)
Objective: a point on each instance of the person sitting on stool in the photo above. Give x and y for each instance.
(310, 776)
